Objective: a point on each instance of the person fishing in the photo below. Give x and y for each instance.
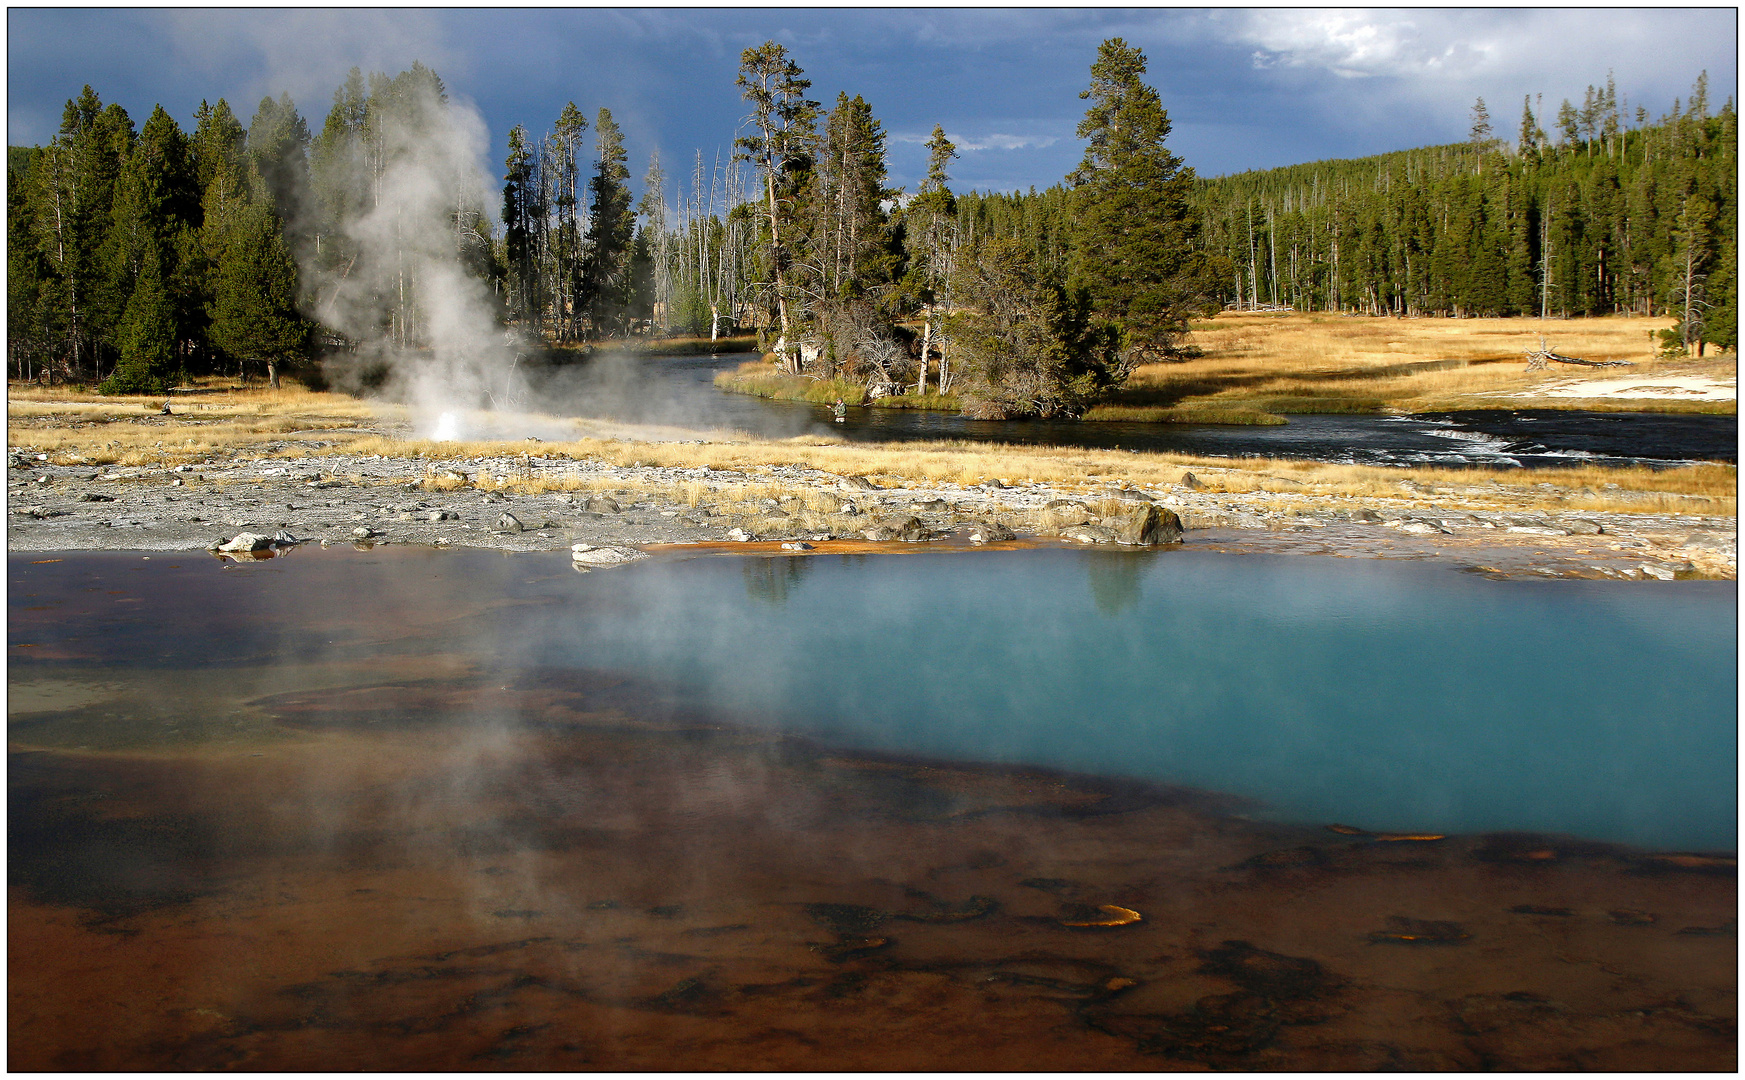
(841, 410)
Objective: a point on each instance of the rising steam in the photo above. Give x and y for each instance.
(410, 198)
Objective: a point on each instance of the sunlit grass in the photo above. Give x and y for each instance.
(1299, 363)
(78, 428)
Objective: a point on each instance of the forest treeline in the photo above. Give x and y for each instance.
(138, 258)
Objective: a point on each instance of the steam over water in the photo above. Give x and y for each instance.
(1409, 696)
(1049, 809)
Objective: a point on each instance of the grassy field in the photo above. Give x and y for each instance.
(1300, 363)
(1259, 368)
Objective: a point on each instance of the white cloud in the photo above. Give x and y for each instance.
(1361, 44)
(990, 141)
(306, 52)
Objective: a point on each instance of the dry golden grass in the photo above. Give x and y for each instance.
(92, 430)
(1331, 363)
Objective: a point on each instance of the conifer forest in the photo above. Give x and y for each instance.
(140, 255)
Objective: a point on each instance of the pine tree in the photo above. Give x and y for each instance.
(523, 212)
(560, 174)
(148, 337)
(931, 217)
(1027, 347)
(780, 146)
(605, 286)
(254, 315)
(1134, 242)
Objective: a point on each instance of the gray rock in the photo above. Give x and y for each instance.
(797, 545)
(1420, 528)
(247, 542)
(92, 496)
(440, 515)
(740, 535)
(589, 555)
(1062, 512)
(1539, 530)
(508, 522)
(1702, 540)
(1584, 527)
(856, 483)
(602, 504)
(848, 510)
(364, 532)
(930, 506)
(898, 528)
(1191, 482)
(1144, 525)
(1367, 516)
(1088, 534)
(1661, 572)
(990, 532)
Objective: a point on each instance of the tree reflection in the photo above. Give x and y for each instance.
(1114, 580)
(769, 579)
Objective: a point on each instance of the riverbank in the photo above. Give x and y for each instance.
(118, 475)
(1261, 367)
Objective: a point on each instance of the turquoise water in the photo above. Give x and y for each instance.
(1392, 696)
(1385, 695)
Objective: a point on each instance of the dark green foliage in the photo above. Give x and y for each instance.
(523, 213)
(1024, 345)
(254, 315)
(641, 302)
(1135, 238)
(1586, 227)
(604, 291)
(148, 337)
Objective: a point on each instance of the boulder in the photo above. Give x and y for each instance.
(739, 535)
(1191, 482)
(1421, 528)
(1144, 525)
(1062, 512)
(509, 523)
(246, 542)
(92, 496)
(990, 532)
(601, 504)
(1088, 534)
(1584, 527)
(589, 555)
(1366, 516)
(440, 515)
(796, 545)
(898, 528)
(364, 532)
(856, 483)
(930, 506)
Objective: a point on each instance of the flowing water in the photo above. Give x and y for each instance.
(1034, 809)
(681, 391)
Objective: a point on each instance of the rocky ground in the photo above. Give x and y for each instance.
(527, 503)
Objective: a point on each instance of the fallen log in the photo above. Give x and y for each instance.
(1537, 358)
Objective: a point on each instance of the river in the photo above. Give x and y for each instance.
(680, 391)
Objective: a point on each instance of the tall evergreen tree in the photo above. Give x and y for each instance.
(523, 214)
(148, 337)
(780, 146)
(605, 284)
(254, 315)
(1134, 248)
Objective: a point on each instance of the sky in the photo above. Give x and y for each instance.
(1245, 88)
